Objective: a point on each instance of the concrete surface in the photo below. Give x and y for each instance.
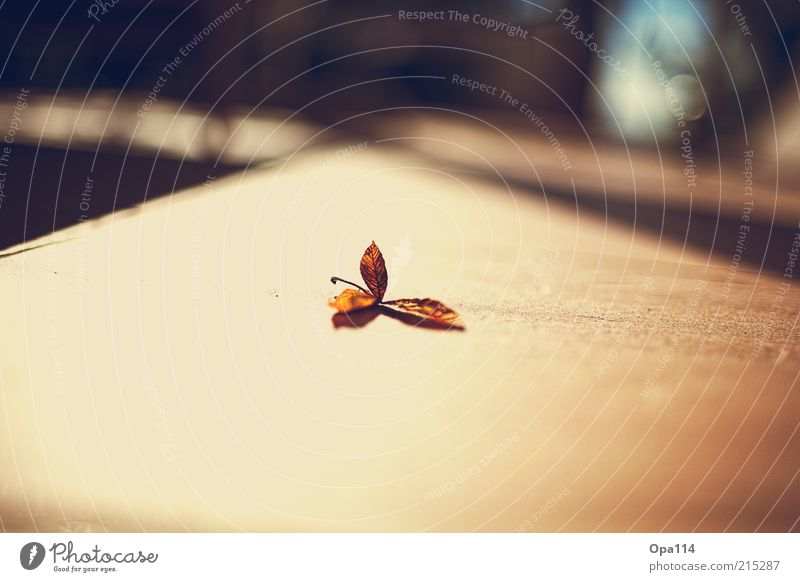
(174, 367)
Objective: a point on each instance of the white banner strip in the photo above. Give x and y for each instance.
(400, 557)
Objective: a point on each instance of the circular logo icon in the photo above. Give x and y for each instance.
(31, 555)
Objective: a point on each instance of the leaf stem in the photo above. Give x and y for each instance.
(335, 279)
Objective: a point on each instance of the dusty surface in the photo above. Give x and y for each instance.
(174, 367)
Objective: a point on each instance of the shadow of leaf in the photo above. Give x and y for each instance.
(362, 317)
(417, 321)
(355, 319)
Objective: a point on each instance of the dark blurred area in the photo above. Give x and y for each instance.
(351, 56)
(611, 77)
(279, 53)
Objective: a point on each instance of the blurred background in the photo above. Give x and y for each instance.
(146, 99)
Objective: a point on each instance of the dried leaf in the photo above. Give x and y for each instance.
(415, 320)
(352, 300)
(373, 270)
(428, 309)
(427, 312)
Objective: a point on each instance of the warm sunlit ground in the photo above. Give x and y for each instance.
(174, 366)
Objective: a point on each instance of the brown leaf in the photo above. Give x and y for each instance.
(414, 320)
(351, 300)
(373, 270)
(428, 309)
(368, 303)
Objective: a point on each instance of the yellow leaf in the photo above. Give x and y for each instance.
(373, 270)
(351, 300)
